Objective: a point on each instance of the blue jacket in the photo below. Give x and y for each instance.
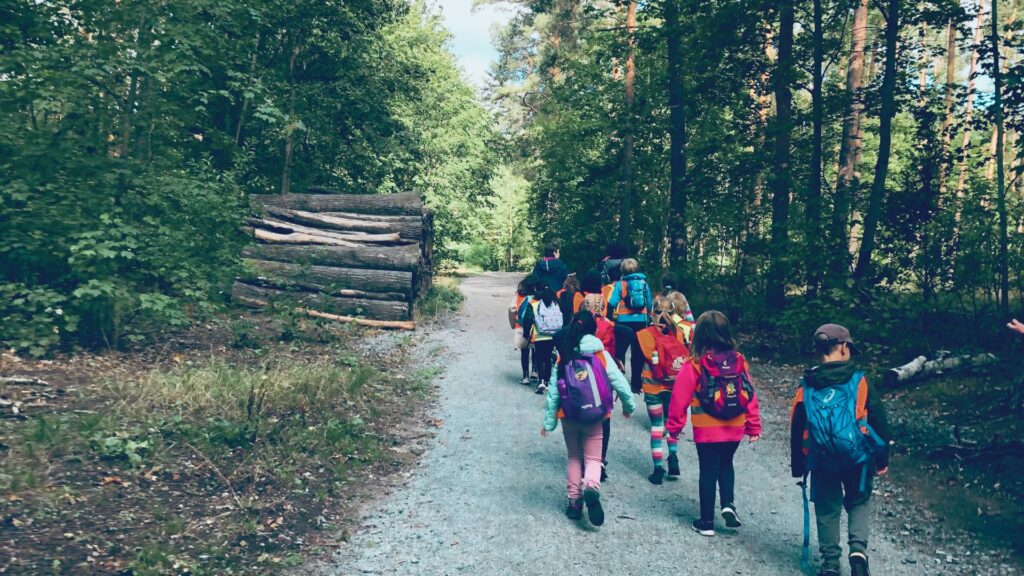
(616, 298)
(590, 345)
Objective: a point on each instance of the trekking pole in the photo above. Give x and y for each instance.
(805, 554)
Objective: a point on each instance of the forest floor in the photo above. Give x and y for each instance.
(239, 447)
(488, 495)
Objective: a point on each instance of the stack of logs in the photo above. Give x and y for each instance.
(353, 258)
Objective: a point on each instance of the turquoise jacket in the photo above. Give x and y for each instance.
(590, 345)
(616, 297)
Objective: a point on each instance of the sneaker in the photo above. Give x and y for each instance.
(525, 381)
(673, 465)
(730, 517)
(657, 475)
(859, 564)
(541, 388)
(704, 528)
(575, 509)
(829, 572)
(534, 378)
(592, 496)
(604, 472)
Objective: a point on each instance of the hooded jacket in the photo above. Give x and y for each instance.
(552, 272)
(589, 344)
(822, 377)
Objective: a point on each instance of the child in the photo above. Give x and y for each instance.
(594, 304)
(715, 386)
(569, 297)
(630, 302)
(578, 348)
(664, 355)
(542, 320)
(839, 477)
(516, 311)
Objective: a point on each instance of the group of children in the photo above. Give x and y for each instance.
(579, 332)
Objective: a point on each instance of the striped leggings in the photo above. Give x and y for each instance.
(657, 404)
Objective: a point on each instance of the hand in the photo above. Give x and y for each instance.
(883, 471)
(627, 415)
(1016, 326)
(543, 432)
(753, 438)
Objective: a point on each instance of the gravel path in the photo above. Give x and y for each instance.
(488, 497)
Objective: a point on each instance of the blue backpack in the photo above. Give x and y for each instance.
(634, 294)
(837, 439)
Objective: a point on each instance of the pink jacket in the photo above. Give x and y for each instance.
(707, 428)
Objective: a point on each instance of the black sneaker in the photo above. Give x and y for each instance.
(673, 466)
(657, 476)
(704, 528)
(604, 472)
(729, 515)
(541, 388)
(859, 564)
(592, 496)
(575, 509)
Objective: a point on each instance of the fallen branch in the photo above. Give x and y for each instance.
(920, 367)
(968, 452)
(386, 324)
(22, 381)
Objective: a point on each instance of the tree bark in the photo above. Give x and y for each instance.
(812, 229)
(677, 136)
(968, 116)
(289, 145)
(247, 99)
(403, 258)
(947, 121)
(867, 246)
(781, 169)
(288, 228)
(626, 208)
(295, 238)
(997, 81)
(408, 229)
(373, 309)
(921, 367)
(403, 203)
(386, 324)
(349, 282)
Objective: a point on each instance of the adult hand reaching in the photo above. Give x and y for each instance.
(1016, 326)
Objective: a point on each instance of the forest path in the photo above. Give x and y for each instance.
(490, 493)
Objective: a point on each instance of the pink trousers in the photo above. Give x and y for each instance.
(583, 443)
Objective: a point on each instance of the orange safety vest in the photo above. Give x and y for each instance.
(860, 410)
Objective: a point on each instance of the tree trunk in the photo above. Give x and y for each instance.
(246, 99)
(373, 284)
(921, 367)
(375, 309)
(295, 238)
(997, 81)
(849, 147)
(677, 136)
(947, 121)
(968, 117)
(813, 202)
(404, 258)
(626, 209)
(867, 246)
(289, 228)
(408, 229)
(781, 169)
(289, 145)
(403, 203)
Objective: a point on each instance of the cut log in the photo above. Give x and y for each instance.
(295, 238)
(410, 229)
(387, 324)
(282, 227)
(922, 368)
(369, 217)
(344, 282)
(23, 381)
(375, 309)
(323, 200)
(405, 258)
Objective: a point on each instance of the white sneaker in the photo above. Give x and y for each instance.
(541, 388)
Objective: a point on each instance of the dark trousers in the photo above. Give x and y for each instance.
(524, 361)
(543, 354)
(716, 470)
(607, 426)
(625, 337)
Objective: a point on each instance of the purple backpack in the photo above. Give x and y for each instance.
(583, 391)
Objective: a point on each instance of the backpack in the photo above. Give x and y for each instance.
(669, 354)
(725, 388)
(606, 267)
(548, 318)
(634, 294)
(605, 332)
(583, 391)
(838, 441)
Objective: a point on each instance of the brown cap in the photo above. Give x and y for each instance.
(834, 333)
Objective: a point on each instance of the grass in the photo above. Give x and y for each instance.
(204, 465)
(443, 296)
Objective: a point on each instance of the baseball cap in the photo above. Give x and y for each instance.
(834, 333)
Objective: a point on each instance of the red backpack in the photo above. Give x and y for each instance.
(670, 354)
(605, 333)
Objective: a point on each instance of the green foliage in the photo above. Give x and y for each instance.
(127, 446)
(443, 296)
